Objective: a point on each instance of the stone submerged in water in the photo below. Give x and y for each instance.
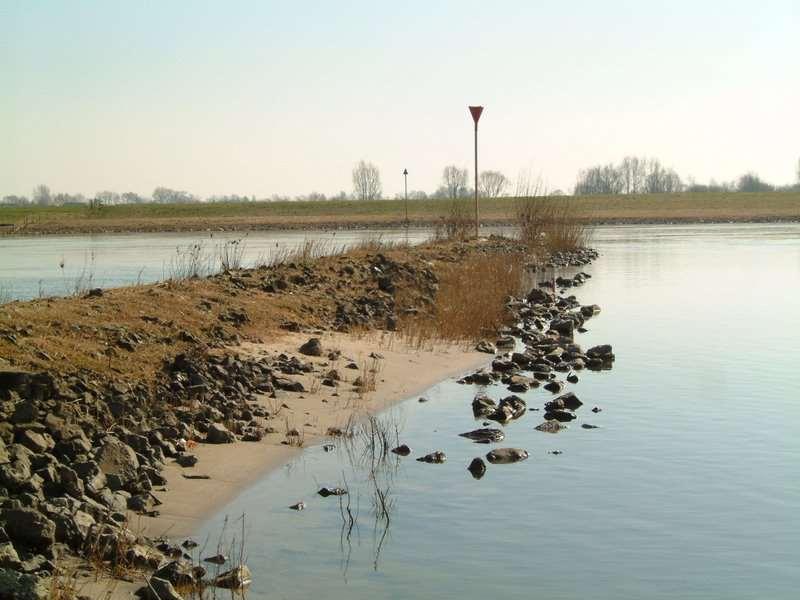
(437, 457)
(402, 450)
(550, 427)
(483, 406)
(299, 506)
(477, 468)
(509, 408)
(506, 455)
(337, 491)
(238, 577)
(569, 401)
(562, 416)
(484, 435)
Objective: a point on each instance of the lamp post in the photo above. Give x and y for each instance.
(405, 177)
(476, 111)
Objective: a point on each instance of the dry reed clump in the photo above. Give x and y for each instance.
(457, 224)
(550, 224)
(470, 302)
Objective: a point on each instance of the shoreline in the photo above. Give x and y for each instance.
(247, 225)
(404, 372)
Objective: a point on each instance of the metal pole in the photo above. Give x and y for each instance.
(405, 177)
(476, 180)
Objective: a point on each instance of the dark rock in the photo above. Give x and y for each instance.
(186, 460)
(217, 559)
(555, 387)
(587, 426)
(569, 401)
(550, 427)
(603, 352)
(402, 450)
(299, 506)
(29, 528)
(160, 589)
(483, 406)
(484, 435)
(572, 378)
(562, 416)
(486, 346)
(506, 455)
(437, 457)
(219, 434)
(336, 491)
(597, 409)
(312, 347)
(477, 468)
(509, 408)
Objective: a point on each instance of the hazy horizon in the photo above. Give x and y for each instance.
(256, 98)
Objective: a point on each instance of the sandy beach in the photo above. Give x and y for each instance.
(402, 372)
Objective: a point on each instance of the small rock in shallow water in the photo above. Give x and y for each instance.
(550, 427)
(337, 491)
(597, 409)
(572, 378)
(299, 506)
(437, 457)
(587, 426)
(484, 435)
(477, 468)
(506, 455)
(236, 578)
(402, 450)
(555, 452)
(423, 399)
(217, 559)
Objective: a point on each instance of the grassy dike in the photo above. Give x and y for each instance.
(655, 208)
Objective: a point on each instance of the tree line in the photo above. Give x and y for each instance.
(632, 175)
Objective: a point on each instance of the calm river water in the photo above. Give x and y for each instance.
(33, 266)
(690, 488)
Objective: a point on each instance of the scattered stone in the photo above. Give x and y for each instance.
(477, 468)
(236, 578)
(161, 589)
(217, 559)
(597, 409)
(569, 401)
(402, 450)
(555, 387)
(484, 435)
(486, 346)
(219, 434)
(506, 455)
(313, 347)
(437, 457)
(550, 427)
(587, 426)
(562, 416)
(337, 491)
(299, 506)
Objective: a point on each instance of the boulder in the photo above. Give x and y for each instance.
(312, 347)
(556, 387)
(115, 457)
(29, 528)
(34, 441)
(477, 468)
(509, 408)
(506, 455)
(604, 352)
(569, 401)
(161, 589)
(219, 434)
(483, 406)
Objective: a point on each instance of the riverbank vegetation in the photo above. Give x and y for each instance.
(244, 216)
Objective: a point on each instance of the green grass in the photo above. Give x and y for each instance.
(595, 208)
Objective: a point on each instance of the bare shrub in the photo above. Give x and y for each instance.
(457, 224)
(230, 254)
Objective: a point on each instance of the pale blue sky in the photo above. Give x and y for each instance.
(284, 97)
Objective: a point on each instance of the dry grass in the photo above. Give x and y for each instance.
(457, 224)
(550, 224)
(470, 303)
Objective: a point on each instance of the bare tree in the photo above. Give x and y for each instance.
(492, 184)
(454, 182)
(42, 196)
(366, 181)
(798, 171)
